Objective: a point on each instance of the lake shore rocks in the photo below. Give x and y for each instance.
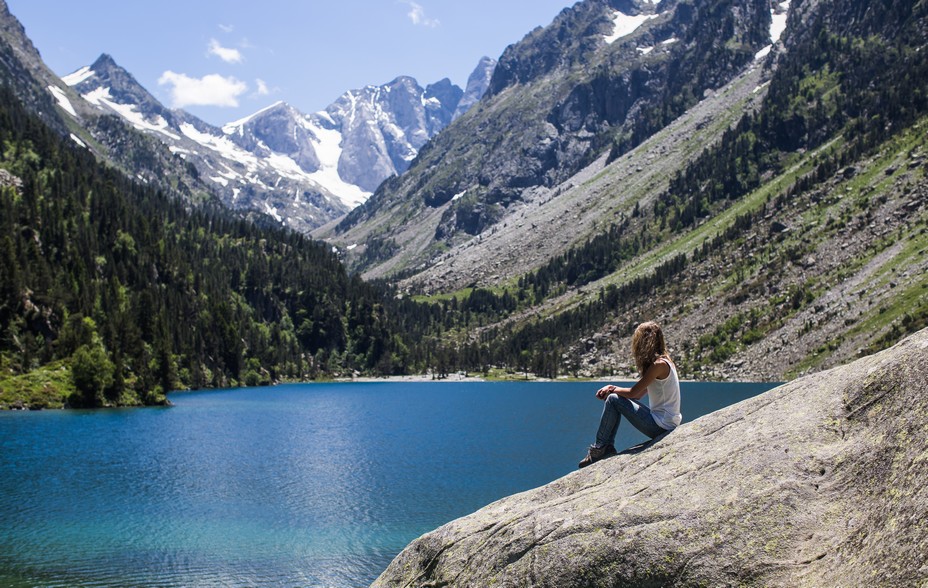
(819, 482)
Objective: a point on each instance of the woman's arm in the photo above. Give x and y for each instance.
(658, 371)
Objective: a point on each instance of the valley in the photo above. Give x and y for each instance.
(749, 174)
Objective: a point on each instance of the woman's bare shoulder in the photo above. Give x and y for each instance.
(662, 366)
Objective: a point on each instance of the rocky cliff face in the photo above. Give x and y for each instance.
(477, 85)
(383, 127)
(819, 482)
(603, 74)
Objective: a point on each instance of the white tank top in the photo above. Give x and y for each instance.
(664, 400)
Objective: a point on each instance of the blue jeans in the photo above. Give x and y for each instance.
(637, 414)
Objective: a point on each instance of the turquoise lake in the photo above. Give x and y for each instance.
(316, 485)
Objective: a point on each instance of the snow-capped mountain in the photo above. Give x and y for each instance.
(245, 176)
(364, 137)
(303, 170)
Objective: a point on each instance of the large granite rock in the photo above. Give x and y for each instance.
(820, 482)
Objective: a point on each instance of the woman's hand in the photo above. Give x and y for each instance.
(605, 391)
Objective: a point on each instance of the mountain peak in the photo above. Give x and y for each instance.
(477, 84)
(446, 93)
(408, 83)
(105, 61)
(280, 105)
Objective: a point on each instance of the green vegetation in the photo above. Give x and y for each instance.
(113, 293)
(49, 386)
(135, 293)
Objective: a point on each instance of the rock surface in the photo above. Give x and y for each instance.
(820, 482)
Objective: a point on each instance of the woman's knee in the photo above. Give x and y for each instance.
(621, 404)
(614, 400)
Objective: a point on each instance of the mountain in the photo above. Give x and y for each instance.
(113, 292)
(59, 107)
(383, 127)
(28, 75)
(602, 75)
(302, 170)
(117, 286)
(477, 84)
(750, 174)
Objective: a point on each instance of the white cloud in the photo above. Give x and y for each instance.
(226, 28)
(263, 90)
(224, 53)
(210, 90)
(418, 17)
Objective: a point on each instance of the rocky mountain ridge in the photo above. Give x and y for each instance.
(302, 170)
(602, 77)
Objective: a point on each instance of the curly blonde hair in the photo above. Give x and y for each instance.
(648, 345)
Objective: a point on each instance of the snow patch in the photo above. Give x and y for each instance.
(328, 150)
(645, 50)
(77, 140)
(78, 76)
(222, 145)
(458, 196)
(327, 145)
(325, 115)
(778, 21)
(102, 97)
(63, 101)
(272, 212)
(352, 247)
(626, 25)
(286, 166)
(778, 18)
(670, 41)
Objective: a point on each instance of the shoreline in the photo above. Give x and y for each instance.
(412, 378)
(25, 405)
(461, 377)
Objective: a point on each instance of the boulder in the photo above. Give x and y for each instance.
(778, 227)
(819, 482)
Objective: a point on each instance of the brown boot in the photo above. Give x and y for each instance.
(598, 453)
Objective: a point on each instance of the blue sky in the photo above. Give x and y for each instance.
(223, 60)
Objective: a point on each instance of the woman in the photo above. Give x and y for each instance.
(658, 380)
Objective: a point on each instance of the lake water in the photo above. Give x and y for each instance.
(299, 485)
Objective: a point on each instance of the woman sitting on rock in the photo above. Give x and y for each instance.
(658, 380)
